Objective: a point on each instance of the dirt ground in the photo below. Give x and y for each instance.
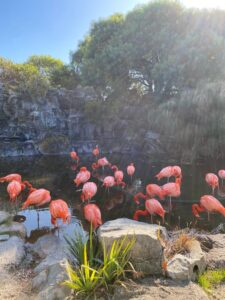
(15, 284)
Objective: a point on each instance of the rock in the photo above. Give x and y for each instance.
(46, 245)
(219, 229)
(187, 267)
(4, 217)
(14, 228)
(39, 281)
(151, 289)
(216, 256)
(4, 237)
(54, 293)
(147, 253)
(12, 251)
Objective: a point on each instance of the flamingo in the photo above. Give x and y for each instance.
(177, 172)
(109, 181)
(14, 188)
(152, 190)
(212, 180)
(59, 210)
(172, 189)
(74, 156)
(131, 170)
(152, 207)
(88, 191)
(96, 151)
(165, 172)
(11, 177)
(118, 174)
(82, 177)
(102, 162)
(93, 215)
(208, 203)
(221, 174)
(38, 197)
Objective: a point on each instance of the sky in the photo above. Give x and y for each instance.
(55, 27)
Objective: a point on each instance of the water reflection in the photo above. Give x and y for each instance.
(57, 173)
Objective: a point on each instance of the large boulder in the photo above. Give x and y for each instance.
(147, 253)
(187, 267)
(12, 251)
(216, 256)
(14, 228)
(4, 217)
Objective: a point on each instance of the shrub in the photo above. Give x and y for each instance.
(211, 278)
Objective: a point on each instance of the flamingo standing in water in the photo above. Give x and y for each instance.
(152, 207)
(221, 174)
(11, 177)
(210, 204)
(95, 151)
(38, 197)
(102, 162)
(166, 172)
(59, 210)
(82, 177)
(152, 190)
(118, 174)
(131, 170)
(14, 188)
(172, 189)
(74, 156)
(93, 215)
(212, 180)
(88, 191)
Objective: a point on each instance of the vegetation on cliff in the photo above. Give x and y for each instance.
(172, 59)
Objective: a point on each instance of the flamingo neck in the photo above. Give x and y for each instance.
(140, 213)
(196, 209)
(139, 195)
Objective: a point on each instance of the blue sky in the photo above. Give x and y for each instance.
(53, 27)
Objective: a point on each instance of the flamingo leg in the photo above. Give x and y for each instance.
(222, 181)
(38, 219)
(168, 179)
(208, 216)
(151, 219)
(170, 205)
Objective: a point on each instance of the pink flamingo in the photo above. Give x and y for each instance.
(212, 180)
(208, 203)
(131, 170)
(38, 198)
(166, 172)
(96, 151)
(14, 188)
(177, 172)
(152, 207)
(221, 174)
(172, 189)
(11, 177)
(152, 190)
(88, 191)
(118, 174)
(93, 215)
(109, 181)
(82, 177)
(102, 162)
(74, 156)
(59, 210)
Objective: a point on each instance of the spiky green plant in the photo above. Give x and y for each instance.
(116, 258)
(84, 280)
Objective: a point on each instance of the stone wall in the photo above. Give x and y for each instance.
(56, 124)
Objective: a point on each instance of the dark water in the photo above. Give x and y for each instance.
(56, 173)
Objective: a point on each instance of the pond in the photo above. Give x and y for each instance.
(56, 173)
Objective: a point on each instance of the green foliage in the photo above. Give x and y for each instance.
(211, 278)
(23, 78)
(55, 70)
(97, 270)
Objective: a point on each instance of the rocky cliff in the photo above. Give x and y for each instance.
(56, 123)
